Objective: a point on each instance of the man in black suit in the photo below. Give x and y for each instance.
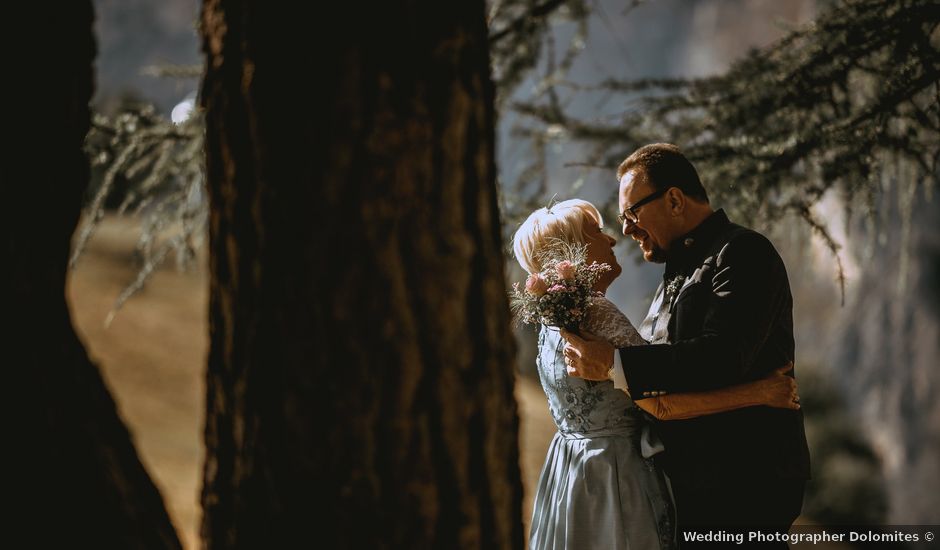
(722, 316)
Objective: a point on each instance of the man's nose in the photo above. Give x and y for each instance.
(628, 228)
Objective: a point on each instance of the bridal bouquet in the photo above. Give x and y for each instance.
(560, 294)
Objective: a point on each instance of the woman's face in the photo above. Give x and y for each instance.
(600, 249)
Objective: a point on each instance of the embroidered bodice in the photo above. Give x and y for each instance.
(586, 407)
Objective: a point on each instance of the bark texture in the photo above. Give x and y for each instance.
(76, 480)
(360, 372)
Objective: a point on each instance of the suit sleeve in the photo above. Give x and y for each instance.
(749, 290)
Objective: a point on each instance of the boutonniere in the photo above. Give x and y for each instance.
(674, 284)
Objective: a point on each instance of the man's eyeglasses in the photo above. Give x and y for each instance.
(629, 215)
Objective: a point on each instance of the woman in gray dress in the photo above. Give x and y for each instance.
(599, 487)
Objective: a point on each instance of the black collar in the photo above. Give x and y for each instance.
(690, 248)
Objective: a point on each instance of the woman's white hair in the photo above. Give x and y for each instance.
(562, 221)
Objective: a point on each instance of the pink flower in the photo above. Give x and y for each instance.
(565, 270)
(558, 288)
(536, 285)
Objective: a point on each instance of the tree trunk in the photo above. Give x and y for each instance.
(360, 371)
(76, 480)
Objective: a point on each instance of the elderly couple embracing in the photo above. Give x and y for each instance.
(708, 436)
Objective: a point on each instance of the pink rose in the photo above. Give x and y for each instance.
(565, 270)
(536, 285)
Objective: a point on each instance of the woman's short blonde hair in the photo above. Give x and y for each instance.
(563, 221)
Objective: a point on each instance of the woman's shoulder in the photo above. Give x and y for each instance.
(601, 303)
(604, 319)
(603, 310)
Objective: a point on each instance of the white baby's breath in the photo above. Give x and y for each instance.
(561, 293)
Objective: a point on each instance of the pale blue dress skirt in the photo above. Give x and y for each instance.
(596, 489)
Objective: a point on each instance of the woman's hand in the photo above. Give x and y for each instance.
(590, 357)
(780, 389)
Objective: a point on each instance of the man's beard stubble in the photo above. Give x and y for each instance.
(657, 255)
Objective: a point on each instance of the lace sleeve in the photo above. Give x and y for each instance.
(606, 321)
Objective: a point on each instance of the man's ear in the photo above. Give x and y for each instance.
(675, 201)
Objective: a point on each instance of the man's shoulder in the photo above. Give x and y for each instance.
(742, 242)
(743, 236)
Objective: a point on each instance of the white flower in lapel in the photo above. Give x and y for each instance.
(672, 290)
(674, 284)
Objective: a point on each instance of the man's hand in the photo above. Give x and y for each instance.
(588, 357)
(780, 389)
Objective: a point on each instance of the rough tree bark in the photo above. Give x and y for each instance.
(76, 480)
(360, 378)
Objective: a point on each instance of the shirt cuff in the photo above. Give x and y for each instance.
(616, 374)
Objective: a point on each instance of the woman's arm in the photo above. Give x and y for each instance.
(777, 390)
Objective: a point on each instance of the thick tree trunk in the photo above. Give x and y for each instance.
(360, 378)
(76, 479)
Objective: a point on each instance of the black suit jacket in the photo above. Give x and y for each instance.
(730, 320)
